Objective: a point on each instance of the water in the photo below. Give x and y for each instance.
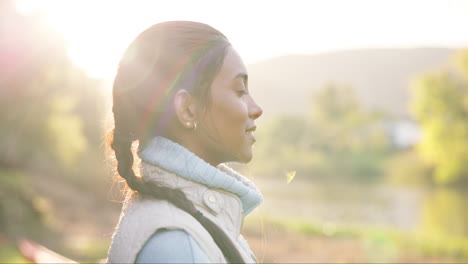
(438, 211)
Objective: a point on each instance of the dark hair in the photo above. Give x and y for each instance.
(163, 59)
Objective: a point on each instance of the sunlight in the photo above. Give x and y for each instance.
(97, 32)
(362, 145)
(96, 37)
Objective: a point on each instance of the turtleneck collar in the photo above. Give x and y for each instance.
(175, 158)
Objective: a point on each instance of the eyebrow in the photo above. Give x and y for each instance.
(243, 76)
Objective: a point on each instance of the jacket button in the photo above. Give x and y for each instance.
(211, 202)
(211, 198)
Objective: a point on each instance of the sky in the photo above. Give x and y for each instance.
(98, 31)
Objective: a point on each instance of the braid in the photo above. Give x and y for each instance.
(143, 89)
(122, 148)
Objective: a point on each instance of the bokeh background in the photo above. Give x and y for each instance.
(362, 151)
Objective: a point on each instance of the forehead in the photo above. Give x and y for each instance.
(232, 66)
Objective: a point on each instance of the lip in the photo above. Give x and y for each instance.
(251, 136)
(249, 133)
(251, 129)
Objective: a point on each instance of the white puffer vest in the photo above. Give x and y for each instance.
(141, 218)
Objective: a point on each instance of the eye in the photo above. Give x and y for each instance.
(242, 92)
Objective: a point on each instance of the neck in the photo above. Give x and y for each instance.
(193, 143)
(179, 160)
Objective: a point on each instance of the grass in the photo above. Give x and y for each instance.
(10, 254)
(378, 243)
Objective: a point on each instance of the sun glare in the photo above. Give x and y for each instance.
(95, 36)
(97, 32)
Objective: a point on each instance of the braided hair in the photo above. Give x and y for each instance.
(147, 78)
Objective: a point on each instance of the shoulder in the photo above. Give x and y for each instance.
(143, 220)
(171, 246)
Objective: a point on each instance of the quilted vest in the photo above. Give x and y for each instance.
(141, 218)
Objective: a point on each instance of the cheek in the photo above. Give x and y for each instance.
(231, 117)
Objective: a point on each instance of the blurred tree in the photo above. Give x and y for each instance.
(337, 138)
(35, 74)
(440, 104)
(32, 59)
(352, 139)
(62, 121)
(444, 214)
(50, 115)
(461, 63)
(407, 167)
(281, 147)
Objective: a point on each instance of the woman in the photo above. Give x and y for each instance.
(181, 91)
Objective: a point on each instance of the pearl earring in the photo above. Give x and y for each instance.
(190, 124)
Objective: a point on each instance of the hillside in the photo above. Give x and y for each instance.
(380, 77)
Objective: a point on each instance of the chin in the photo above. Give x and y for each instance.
(246, 157)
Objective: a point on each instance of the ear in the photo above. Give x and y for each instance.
(185, 108)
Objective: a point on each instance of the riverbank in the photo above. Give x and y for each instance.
(293, 241)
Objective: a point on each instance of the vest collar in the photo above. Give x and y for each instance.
(175, 158)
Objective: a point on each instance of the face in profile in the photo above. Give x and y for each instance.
(226, 129)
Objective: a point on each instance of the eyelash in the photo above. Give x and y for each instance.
(242, 92)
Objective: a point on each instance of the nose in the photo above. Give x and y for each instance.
(255, 111)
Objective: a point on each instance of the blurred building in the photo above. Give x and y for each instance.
(404, 133)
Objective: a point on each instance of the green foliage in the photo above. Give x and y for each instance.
(338, 138)
(65, 130)
(407, 167)
(444, 214)
(9, 253)
(283, 141)
(382, 246)
(352, 139)
(461, 63)
(19, 213)
(50, 115)
(379, 244)
(440, 105)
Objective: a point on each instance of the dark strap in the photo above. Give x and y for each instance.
(198, 215)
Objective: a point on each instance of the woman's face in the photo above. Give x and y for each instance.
(225, 131)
